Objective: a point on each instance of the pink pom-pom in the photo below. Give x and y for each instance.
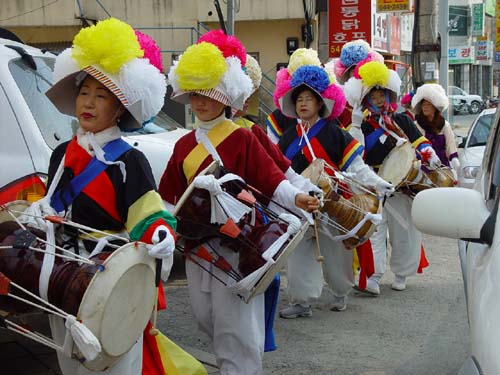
(283, 79)
(335, 93)
(372, 56)
(228, 45)
(339, 69)
(406, 99)
(151, 50)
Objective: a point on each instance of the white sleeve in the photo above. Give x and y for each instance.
(285, 195)
(300, 182)
(363, 173)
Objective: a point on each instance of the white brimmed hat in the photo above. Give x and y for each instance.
(111, 53)
(433, 93)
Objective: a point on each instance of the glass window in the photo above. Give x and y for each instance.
(480, 132)
(54, 126)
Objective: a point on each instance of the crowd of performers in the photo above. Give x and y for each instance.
(341, 116)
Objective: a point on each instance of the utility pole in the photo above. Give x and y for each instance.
(426, 47)
(230, 17)
(444, 12)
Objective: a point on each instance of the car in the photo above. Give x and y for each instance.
(33, 127)
(471, 148)
(472, 217)
(474, 102)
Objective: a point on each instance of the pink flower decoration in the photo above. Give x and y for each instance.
(339, 69)
(228, 45)
(283, 79)
(151, 50)
(335, 93)
(372, 56)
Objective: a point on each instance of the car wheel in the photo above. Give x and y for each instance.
(474, 108)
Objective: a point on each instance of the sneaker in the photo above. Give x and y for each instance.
(339, 303)
(399, 283)
(372, 288)
(295, 311)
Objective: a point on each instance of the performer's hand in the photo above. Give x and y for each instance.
(306, 202)
(162, 249)
(385, 188)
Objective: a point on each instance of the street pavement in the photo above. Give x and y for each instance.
(421, 330)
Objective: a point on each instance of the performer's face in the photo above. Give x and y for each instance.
(428, 110)
(378, 98)
(307, 105)
(97, 108)
(205, 108)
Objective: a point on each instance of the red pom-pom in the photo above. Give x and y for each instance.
(426, 154)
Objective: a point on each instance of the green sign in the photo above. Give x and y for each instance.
(458, 20)
(490, 7)
(477, 19)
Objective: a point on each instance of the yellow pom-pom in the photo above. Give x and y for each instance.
(374, 73)
(303, 56)
(110, 43)
(200, 67)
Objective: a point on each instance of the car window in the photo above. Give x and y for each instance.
(455, 91)
(54, 126)
(479, 133)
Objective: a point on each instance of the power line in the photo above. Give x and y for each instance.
(30, 11)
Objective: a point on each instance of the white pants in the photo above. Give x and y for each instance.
(237, 329)
(305, 274)
(404, 237)
(129, 364)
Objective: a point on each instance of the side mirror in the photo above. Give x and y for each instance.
(450, 212)
(460, 141)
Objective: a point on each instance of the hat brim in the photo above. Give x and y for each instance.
(288, 106)
(64, 92)
(183, 96)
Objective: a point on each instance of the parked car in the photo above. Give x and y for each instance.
(473, 102)
(471, 148)
(472, 216)
(32, 127)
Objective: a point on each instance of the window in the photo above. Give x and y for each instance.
(480, 132)
(54, 126)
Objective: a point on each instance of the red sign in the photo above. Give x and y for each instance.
(395, 40)
(348, 20)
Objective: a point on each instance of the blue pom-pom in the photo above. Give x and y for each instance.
(311, 75)
(351, 55)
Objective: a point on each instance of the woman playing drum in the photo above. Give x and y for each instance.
(236, 328)
(375, 88)
(102, 84)
(316, 102)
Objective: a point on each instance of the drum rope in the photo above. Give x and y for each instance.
(41, 339)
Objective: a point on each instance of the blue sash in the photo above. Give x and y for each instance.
(63, 198)
(372, 138)
(294, 147)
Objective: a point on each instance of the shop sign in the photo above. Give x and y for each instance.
(393, 6)
(457, 23)
(347, 20)
(461, 55)
(477, 19)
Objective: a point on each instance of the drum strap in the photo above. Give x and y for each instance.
(198, 155)
(63, 198)
(296, 146)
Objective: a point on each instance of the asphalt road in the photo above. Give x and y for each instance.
(422, 330)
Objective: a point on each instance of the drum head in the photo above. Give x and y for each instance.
(118, 302)
(279, 264)
(397, 164)
(19, 205)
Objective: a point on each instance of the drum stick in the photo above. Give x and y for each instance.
(319, 257)
(154, 331)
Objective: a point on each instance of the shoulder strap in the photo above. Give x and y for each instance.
(63, 198)
(294, 147)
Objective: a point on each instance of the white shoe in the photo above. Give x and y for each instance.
(399, 283)
(372, 288)
(339, 303)
(295, 311)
